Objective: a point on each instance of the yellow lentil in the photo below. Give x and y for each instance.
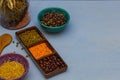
(40, 50)
(11, 70)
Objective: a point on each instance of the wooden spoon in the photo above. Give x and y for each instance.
(5, 39)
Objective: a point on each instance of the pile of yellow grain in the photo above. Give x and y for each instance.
(11, 70)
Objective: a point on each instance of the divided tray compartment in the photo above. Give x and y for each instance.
(52, 65)
(49, 63)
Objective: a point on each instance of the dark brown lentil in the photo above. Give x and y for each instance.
(17, 44)
(53, 19)
(22, 48)
(27, 55)
(13, 42)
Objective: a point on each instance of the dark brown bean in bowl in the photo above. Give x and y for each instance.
(53, 19)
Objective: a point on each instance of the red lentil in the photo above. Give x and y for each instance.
(40, 50)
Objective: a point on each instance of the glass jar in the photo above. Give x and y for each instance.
(14, 13)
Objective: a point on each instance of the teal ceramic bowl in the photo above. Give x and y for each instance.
(56, 10)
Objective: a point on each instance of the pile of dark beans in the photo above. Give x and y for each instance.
(53, 19)
(51, 63)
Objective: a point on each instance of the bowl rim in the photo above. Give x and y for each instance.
(51, 27)
(27, 63)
